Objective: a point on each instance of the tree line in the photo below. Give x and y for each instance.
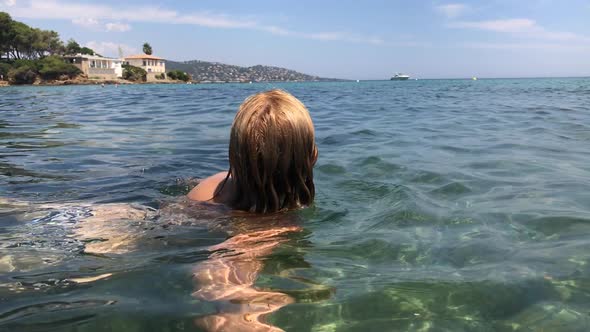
(27, 53)
(19, 41)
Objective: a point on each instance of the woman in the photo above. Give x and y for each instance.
(272, 152)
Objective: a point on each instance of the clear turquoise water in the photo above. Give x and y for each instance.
(442, 205)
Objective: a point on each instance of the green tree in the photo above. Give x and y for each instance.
(147, 49)
(6, 34)
(179, 75)
(46, 42)
(30, 53)
(72, 47)
(22, 41)
(88, 51)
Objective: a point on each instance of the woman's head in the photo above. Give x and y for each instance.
(272, 152)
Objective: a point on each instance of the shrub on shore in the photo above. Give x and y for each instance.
(179, 75)
(22, 71)
(132, 73)
(24, 74)
(48, 68)
(54, 67)
(4, 69)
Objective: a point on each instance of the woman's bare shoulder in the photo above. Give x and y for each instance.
(206, 189)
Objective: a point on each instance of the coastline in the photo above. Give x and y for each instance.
(89, 82)
(125, 82)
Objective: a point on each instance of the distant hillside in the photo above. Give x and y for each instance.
(203, 71)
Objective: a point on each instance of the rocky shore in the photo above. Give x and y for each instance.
(86, 81)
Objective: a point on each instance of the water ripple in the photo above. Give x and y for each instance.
(442, 205)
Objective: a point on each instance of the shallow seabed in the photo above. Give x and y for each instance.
(442, 205)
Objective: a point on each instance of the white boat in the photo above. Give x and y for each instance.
(400, 77)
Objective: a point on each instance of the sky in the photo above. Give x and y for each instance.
(369, 39)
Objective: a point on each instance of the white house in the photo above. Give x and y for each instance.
(95, 66)
(153, 65)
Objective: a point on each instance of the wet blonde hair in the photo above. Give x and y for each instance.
(272, 152)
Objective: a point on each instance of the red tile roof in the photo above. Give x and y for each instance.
(143, 56)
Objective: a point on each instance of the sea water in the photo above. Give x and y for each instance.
(441, 205)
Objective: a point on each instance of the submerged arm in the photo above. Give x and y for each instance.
(228, 276)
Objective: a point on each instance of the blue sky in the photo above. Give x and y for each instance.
(370, 39)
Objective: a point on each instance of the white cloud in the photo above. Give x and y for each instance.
(326, 36)
(94, 24)
(9, 3)
(451, 10)
(110, 49)
(86, 22)
(277, 30)
(539, 46)
(64, 10)
(119, 27)
(345, 37)
(213, 21)
(510, 25)
(521, 27)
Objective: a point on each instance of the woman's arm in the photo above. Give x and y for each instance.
(228, 276)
